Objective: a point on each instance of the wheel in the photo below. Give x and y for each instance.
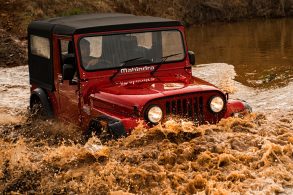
(37, 110)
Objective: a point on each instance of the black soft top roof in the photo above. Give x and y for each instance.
(77, 24)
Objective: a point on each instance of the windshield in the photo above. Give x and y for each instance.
(112, 51)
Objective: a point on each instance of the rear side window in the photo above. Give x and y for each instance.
(40, 46)
(64, 44)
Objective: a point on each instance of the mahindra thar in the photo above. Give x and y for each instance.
(107, 72)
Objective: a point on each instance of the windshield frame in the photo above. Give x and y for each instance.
(129, 32)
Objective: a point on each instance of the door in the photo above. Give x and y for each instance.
(68, 90)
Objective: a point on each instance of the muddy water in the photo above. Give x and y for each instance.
(260, 50)
(261, 56)
(242, 156)
(262, 100)
(253, 155)
(248, 156)
(14, 93)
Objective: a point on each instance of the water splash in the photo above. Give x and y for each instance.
(238, 155)
(249, 155)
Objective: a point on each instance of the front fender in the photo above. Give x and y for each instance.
(235, 107)
(41, 95)
(114, 126)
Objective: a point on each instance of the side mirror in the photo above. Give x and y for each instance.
(68, 71)
(191, 57)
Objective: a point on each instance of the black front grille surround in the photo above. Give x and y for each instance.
(193, 107)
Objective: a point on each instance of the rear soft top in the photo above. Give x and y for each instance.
(41, 69)
(88, 23)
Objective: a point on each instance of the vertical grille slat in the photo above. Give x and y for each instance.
(195, 108)
(168, 108)
(179, 107)
(184, 108)
(174, 109)
(189, 108)
(201, 111)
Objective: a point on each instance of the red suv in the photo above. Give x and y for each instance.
(108, 71)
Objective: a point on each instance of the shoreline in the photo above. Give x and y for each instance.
(16, 15)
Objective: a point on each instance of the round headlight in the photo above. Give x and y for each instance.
(217, 104)
(155, 114)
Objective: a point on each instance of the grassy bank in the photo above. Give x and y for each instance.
(17, 14)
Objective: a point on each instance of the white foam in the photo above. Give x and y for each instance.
(14, 88)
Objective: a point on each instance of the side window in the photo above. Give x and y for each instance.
(64, 44)
(66, 50)
(40, 46)
(67, 60)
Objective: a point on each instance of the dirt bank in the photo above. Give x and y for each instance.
(12, 50)
(16, 15)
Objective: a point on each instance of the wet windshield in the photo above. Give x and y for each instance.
(112, 51)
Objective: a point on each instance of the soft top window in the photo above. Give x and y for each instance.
(131, 49)
(40, 46)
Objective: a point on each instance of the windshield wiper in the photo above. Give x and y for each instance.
(122, 64)
(162, 61)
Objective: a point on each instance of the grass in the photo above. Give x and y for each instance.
(73, 11)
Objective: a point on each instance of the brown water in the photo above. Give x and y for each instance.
(260, 50)
(246, 156)
(253, 155)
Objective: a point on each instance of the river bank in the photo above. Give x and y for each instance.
(16, 15)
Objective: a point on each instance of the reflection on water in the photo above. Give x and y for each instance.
(260, 50)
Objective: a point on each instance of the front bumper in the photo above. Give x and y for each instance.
(237, 108)
(122, 126)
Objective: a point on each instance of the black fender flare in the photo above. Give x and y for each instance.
(115, 126)
(41, 94)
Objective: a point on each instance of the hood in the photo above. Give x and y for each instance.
(129, 93)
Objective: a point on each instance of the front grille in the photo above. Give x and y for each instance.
(191, 108)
